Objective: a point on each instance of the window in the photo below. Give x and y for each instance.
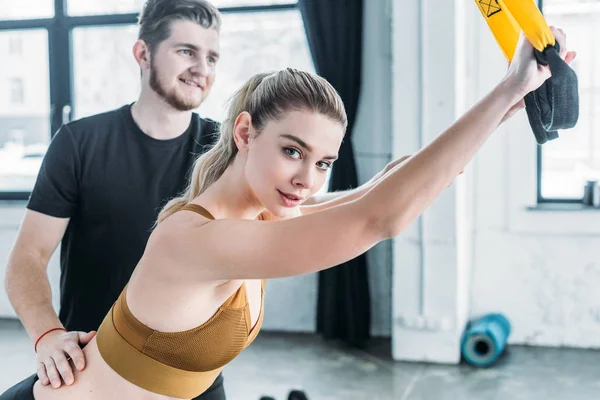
(87, 7)
(566, 164)
(20, 10)
(105, 73)
(247, 47)
(93, 69)
(242, 3)
(24, 111)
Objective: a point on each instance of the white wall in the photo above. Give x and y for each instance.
(431, 257)
(480, 247)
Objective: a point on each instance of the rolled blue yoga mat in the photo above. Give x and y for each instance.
(484, 340)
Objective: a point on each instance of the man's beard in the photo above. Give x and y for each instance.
(172, 98)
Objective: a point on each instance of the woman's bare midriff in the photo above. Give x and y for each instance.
(96, 382)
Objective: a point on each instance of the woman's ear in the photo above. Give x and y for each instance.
(241, 131)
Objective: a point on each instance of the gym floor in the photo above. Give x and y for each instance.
(276, 363)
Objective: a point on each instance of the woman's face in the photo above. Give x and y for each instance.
(288, 161)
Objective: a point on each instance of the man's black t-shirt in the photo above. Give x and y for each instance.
(111, 180)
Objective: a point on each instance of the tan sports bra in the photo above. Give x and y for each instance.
(177, 364)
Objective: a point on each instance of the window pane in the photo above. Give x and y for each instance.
(252, 43)
(14, 9)
(24, 108)
(105, 74)
(87, 7)
(574, 158)
(239, 3)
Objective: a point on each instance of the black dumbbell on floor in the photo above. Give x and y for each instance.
(297, 395)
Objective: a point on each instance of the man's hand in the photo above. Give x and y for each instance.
(52, 352)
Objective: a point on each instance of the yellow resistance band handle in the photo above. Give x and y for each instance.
(506, 19)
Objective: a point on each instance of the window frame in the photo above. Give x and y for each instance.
(60, 54)
(539, 167)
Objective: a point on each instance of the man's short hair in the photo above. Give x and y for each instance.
(157, 15)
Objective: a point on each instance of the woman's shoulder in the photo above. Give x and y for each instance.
(173, 228)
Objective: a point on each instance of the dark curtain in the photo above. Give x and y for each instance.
(334, 32)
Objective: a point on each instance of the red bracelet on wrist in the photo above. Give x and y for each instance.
(44, 334)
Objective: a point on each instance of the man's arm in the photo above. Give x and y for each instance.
(29, 292)
(53, 200)
(26, 280)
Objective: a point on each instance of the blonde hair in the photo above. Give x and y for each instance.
(266, 97)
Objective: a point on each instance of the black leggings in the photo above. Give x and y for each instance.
(21, 391)
(24, 390)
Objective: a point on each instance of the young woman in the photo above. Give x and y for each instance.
(195, 300)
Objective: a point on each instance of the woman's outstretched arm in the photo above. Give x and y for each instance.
(243, 249)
